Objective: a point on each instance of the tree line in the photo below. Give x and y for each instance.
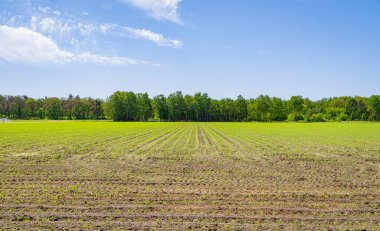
(23, 107)
(129, 106)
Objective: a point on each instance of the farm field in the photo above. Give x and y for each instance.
(238, 176)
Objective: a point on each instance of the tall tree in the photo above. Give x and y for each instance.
(41, 109)
(356, 108)
(160, 108)
(263, 108)
(15, 106)
(295, 107)
(374, 107)
(227, 109)
(79, 108)
(176, 106)
(30, 109)
(277, 110)
(96, 109)
(144, 107)
(241, 108)
(53, 108)
(68, 106)
(3, 106)
(214, 110)
(190, 108)
(123, 106)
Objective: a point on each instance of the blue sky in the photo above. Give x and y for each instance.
(313, 48)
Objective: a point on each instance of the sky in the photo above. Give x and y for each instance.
(92, 48)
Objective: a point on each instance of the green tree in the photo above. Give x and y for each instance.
(190, 108)
(277, 109)
(15, 106)
(357, 108)
(144, 107)
(214, 110)
(41, 109)
(96, 108)
(176, 106)
(68, 106)
(122, 106)
(241, 108)
(201, 104)
(295, 108)
(374, 107)
(335, 109)
(227, 109)
(53, 108)
(30, 108)
(80, 108)
(160, 108)
(3, 106)
(263, 108)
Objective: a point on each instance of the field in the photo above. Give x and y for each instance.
(238, 176)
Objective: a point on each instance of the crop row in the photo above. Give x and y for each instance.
(105, 175)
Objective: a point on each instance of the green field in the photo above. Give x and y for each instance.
(107, 175)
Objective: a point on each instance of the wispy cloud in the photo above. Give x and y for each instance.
(22, 45)
(51, 25)
(145, 34)
(158, 39)
(71, 30)
(159, 9)
(45, 35)
(100, 59)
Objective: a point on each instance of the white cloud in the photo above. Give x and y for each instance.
(47, 10)
(21, 45)
(86, 29)
(105, 27)
(69, 30)
(158, 39)
(159, 9)
(48, 36)
(50, 25)
(114, 60)
(47, 24)
(144, 34)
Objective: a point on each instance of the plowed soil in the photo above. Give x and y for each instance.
(202, 176)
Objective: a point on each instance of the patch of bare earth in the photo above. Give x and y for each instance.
(190, 193)
(189, 190)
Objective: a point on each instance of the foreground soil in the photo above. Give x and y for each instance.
(202, 176)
